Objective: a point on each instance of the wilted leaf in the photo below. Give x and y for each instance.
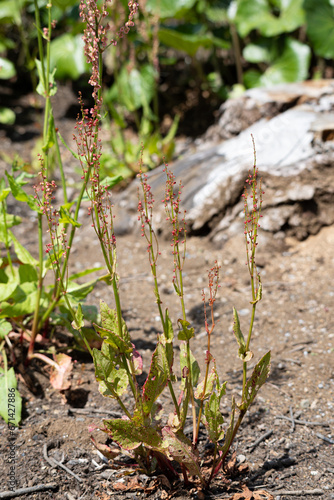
(180, 449)
(129, 434)
(199, 392)
(60, 375)
(157, 378)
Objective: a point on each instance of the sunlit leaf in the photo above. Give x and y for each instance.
(7, 69)
(67, 55)
(168, 8)
(257, 15)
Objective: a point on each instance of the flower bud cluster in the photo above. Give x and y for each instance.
(96, 34)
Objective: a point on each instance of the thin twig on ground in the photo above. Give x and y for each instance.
(30, 489)
(324, 438)
(303, 422)
(55, 463)
(88, 412)
(298, 492)
(259, 440)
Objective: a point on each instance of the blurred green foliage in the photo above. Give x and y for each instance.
(213, 45)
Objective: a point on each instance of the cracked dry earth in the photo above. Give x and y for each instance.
(284, 449)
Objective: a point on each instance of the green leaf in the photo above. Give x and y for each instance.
(258, 15)
(67, 55)
(28, 273)
(195, 370)
(156, 379)
(5, 328)
(291, 66)
(180, 449)
(130, 434)
(20, 195)
(256, 381)
(85, 272)
(66, 218)
(7, 69)
(110, 322)
(40, 89)
(8, 283)
(79, 319)
(133, 89)
(119, 345)
(186, 333)
(320, 26)
(21, 302)
(7, 115)
(110, 182)
(213, 417)
(168, 8)
(10, 399)
(202, 394)
(22, 253)
(189, 43)
(113, 382)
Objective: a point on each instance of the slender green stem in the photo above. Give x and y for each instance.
(7, 245)
(34, 329)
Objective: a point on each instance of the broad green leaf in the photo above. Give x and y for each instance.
(213, 417)
(156, 379)
(257, 53)
(320, 26)
(256, 381)
(11, 220)
(20, 195)
(180, 449)
(110, 322)
(40, 89)
(21, 302)
(67, 55)
(113, 382)
(7, 115)
(28, 273)
(119, 345)
(66, 218)
(129, 434)
(186, 333)
(133, 89)
(202, 394)
(195, 370)
(8, 283)
(168, 8)
(10, 399)
(291, 66)
(257, 15)
(22, 253)
(189, 43)
(7, 69)
(5, 328)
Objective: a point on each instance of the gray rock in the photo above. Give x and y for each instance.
(293, 129)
